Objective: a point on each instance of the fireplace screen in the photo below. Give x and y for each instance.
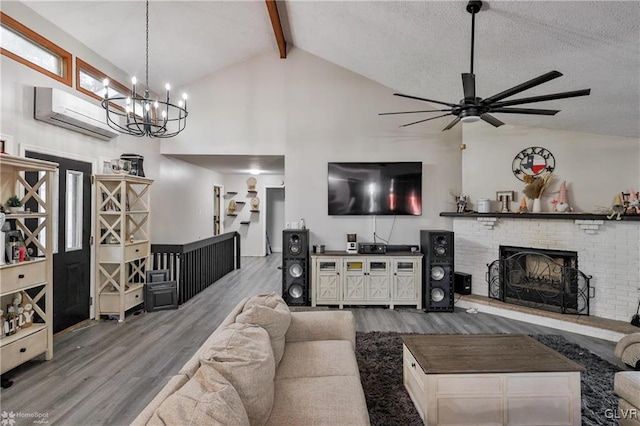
(543, 279)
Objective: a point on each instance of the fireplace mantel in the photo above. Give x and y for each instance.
(543, 216)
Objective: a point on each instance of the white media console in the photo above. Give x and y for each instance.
(390, 279)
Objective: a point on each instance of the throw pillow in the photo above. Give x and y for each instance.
(242, 354)
(275, 320)
(271, 300)
(206, 399)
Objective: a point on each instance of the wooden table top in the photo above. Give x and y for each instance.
(485, 353)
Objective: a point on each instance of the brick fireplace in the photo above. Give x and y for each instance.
(609, 251)
(540, 278)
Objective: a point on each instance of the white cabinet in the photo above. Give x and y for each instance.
(326, 275)
(123, 209)
(366, 280)
(343, 279)
(31, 333)
(407, 282)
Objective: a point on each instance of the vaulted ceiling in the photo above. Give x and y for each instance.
(414, 47)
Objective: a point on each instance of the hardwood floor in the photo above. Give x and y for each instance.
(106, 372)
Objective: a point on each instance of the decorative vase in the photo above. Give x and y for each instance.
(537, 206)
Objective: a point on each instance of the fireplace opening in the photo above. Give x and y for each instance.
(540, 278)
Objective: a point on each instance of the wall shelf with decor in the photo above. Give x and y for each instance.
(232, 214)
(123, 210)
(252, 192)
(254, 211)
(27, 285)
(241, 202)
(550, 216)
(245, 222)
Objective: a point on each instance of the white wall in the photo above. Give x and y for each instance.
(314, 112)
(252, 235)
(596, 167)
(179, 188)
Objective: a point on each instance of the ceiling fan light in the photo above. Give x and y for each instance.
(470, 119)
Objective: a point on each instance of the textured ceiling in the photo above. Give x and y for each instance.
(413, 47)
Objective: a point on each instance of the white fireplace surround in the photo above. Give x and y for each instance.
(609, 251)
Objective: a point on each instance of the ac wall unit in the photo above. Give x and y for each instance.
(63, 109)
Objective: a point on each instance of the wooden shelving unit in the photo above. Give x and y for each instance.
(123, 249)
(33, 279)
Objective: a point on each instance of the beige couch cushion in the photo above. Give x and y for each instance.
(206, 399)
(626, 384)
(271, 313)
(319, 401)
(242, 354)
(318, 358)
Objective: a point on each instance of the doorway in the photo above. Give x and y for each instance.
(275, 217)
(71, 245)
(217, 210)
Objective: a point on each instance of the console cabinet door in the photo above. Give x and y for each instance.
(354, 280)
(327, 286)
(378, 285)
(405, 280)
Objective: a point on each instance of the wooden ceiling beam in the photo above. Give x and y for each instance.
(272, 7)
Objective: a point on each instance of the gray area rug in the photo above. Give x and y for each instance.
(379, 356)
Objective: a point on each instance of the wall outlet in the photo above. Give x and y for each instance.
(294, 225)
(287, 225)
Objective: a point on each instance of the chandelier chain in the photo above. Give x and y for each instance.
(146, 82)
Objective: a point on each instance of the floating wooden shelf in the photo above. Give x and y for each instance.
(252, 192)
(254, 211)
(231, 193)
(245, 222)
(232, 214)
(241, 202)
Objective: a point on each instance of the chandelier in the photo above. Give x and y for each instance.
(141, 115)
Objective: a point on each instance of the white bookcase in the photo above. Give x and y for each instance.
(123, 249)
(32, 279)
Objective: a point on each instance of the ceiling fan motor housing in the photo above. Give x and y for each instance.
(474, 6)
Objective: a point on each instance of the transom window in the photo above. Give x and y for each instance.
(31, 49)
(90, 81)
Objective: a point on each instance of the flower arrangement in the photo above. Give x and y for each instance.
(536, 185)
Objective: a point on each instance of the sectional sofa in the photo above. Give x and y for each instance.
(627, 383)
(265, 365)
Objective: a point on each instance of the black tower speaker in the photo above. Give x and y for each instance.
(437, 270)
(295, 266)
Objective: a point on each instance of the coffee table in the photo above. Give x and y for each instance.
(490, 380)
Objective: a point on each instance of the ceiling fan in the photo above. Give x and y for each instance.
(473, 108)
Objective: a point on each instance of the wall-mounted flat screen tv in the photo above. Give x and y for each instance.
(375, 188)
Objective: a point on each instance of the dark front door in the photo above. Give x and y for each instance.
(72, 260)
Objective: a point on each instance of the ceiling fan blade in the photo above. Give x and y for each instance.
(425, 99)
(453, 123)
(533, 111)
(413, 112)
(524, 86)
(491, 120)
(563, 95)
(469, 86)
(432, 118)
